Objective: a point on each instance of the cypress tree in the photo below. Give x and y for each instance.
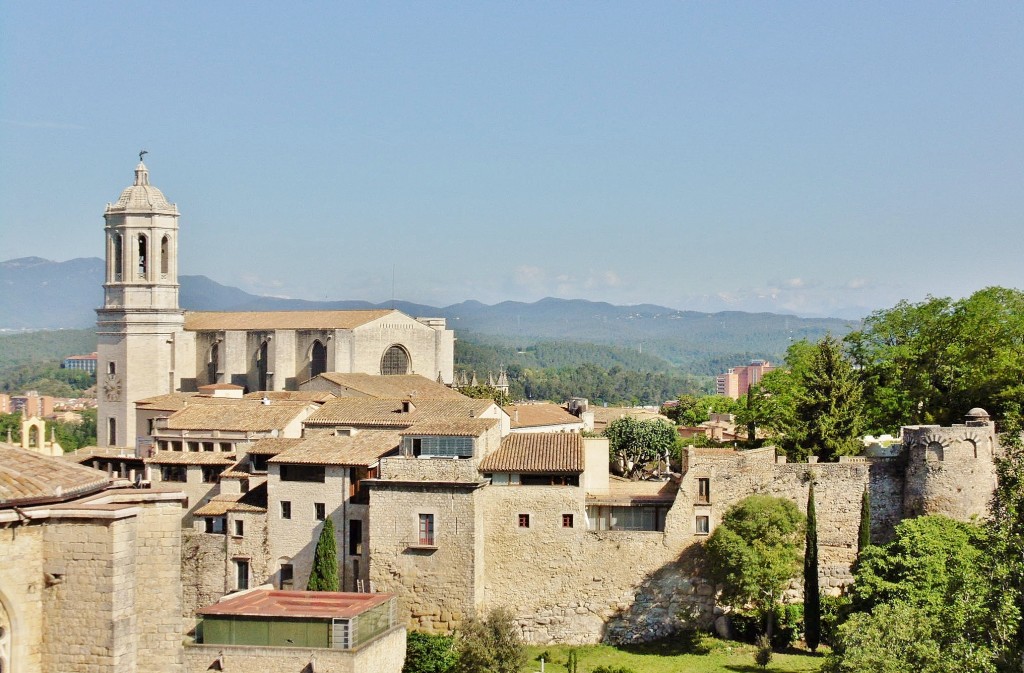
(324, 576)
(812, 597)
(864, 534)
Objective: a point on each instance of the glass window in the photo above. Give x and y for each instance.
(703, 525)
(524, 520)
(567, 521)
(215, 524)
(241, 574)
(239, 527)
(286, 509)
(703, 490)
(173, 473)
(395, 361)
(211, 474)
(302, 473)
(320, 511)
(426, 531)
(447, 447)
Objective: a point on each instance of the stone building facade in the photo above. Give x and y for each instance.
(148, 346)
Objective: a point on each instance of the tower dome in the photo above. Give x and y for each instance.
(142, 196)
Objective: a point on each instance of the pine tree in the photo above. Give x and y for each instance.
(324, 576)
(864, 534)
(829, 406)
(812, 597)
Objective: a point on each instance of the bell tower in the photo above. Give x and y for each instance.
(140, 321)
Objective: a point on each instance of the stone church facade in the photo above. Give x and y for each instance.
(149, 346)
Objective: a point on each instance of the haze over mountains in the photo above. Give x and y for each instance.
(42, 294)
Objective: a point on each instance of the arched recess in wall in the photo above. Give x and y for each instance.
(118, 242)
(7, 633)
(395, 361)
(262, 357)
(143, 256)
(317, 359)
(213, 362)
(934, 453)
(165, 263)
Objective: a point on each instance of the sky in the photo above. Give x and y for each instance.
(812, 158)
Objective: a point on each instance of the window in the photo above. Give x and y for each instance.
(112, 431)
(286, 509)
(426, 532)
(211, 474)
(215, 524)
(649, 518)
(262, 357)
(703, 525)
(173, 473)
(226, 447)
(286, 576)
(355, 537)
(567, 521)
(111, 368)
(118, 257)
(549, 479)
(703, 491)
(395, 361)
(207, 446)
(143, 255)
(258, 463)
(320, 511)
(524, 520)
(213, 364)
(239, 527)
(302, 473)
(318, 359)
(241, 574)
(446, 447)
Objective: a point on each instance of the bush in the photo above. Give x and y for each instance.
(429, 653)
(763, 656)
(493, 645)
(834, 611)
(749, 626)
(613, 669)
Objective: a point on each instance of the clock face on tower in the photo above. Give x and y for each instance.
(112, 388)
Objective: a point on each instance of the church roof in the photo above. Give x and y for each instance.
(28, 478)
(536, 415)
(198, 321)
(401, 386)
(318, 396)
(388, 413)
(239, 416)
(142, 196)
(362, 449)
(537, 452)
(178, 401)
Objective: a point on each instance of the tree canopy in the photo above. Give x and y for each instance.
(324, 575)
(492, 645)
(633, 443)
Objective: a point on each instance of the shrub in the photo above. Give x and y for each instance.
(429, 653)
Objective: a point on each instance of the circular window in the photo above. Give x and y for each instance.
(395, 361)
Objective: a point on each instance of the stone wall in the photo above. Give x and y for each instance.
(383, 655)
(439, 585)
(22, 587)
(950, 471)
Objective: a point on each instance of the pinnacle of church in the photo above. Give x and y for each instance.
(142, 196)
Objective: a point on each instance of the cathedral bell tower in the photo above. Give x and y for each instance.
(140, 321)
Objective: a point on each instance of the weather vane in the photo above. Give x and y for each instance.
(140, 155)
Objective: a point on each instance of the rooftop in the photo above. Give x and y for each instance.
(288, 320)
(362, 449)
(28, 478)
(388, 413)
(303, 604)
(238, 415)
(403, 386)
(537, 452)
(191, 458)
(537, 415)
(452, 427)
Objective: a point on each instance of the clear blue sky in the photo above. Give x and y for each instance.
(812, 157)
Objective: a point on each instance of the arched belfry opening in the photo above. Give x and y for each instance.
(118, 243)
(143, 256)
(165, 262)
(395, 361)
(317, 359)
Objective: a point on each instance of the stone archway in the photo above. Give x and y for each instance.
(6, 638)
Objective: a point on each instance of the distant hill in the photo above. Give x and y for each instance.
(40, 294)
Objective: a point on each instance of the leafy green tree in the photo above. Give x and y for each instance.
(494, 645)
(755, 552)
(487, 393)
(771, 405)
(324, 576)
(429, 653)
(634, 443)
(1006, 549)
(829, 402)
(693, 410)
(812, 594)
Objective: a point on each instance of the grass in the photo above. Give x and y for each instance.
(700, 654)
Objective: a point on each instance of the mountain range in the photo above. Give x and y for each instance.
(42, 294)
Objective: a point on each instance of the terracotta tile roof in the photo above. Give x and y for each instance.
(363, 449)
(191, 458)
(605, 415)
(238, 416)
(269, 320)
(362, 411)
(269, 603)
(254, 501)
(87, 453)
(272, 446)
(318, 396)
(452, 427)
(537, 452)
(535, 415)
(27, 477)
(396, 387)
(178, 401)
